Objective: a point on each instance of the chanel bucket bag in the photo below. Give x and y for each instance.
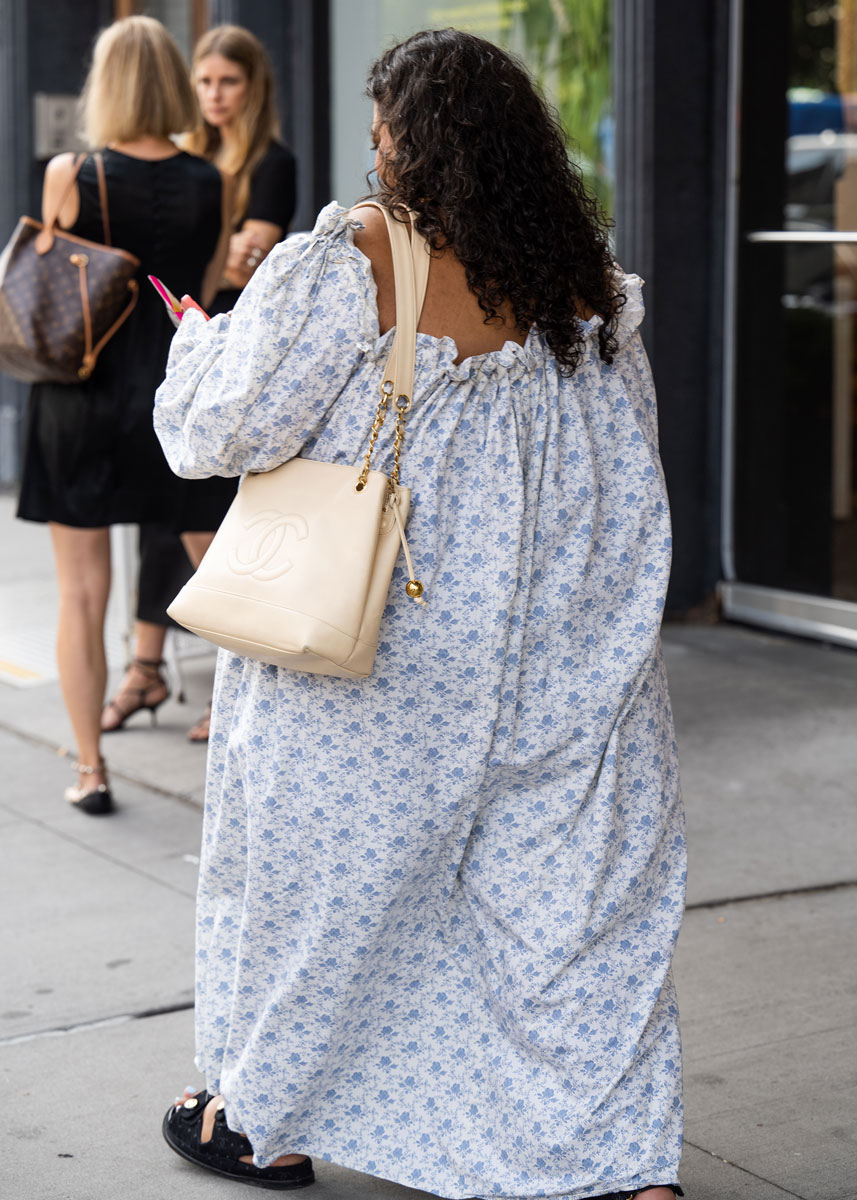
(62, 297)
(298, 573)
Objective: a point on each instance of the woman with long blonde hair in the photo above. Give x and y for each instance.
(238, 131)
(92, 459)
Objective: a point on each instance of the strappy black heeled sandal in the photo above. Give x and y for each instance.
(196, 1129)
(150, 668)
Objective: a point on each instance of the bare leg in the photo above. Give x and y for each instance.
(195, 545)
(149, 640)
(82, 559)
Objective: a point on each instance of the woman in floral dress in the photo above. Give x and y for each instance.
(438, 906)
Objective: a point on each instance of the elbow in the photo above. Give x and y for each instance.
(185, 457)
(197, 462)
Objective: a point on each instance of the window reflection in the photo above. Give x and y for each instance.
(565, 44)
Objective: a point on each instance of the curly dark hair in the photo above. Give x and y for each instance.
(483, 161)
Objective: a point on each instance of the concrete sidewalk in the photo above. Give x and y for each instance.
(96, 1024)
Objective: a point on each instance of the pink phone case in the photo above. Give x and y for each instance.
(174, 309)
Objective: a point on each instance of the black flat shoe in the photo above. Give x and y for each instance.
(673, 1187)
(95, 802)
(197, 1131)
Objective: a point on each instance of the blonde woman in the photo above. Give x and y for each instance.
(91, 457)
(239, 132)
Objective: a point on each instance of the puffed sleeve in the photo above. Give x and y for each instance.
(246, 391)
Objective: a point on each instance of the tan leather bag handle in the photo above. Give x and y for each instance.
(411, 262)
(46, 237)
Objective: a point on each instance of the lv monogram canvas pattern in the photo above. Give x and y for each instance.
(42, 333)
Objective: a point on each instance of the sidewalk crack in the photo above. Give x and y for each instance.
(56, 748)
(780, 894)
(144, 1014)
(745, 1170)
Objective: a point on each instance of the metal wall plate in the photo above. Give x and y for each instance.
(55, 125)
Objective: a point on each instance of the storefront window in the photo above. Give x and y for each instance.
(185, 19)
(565, 43)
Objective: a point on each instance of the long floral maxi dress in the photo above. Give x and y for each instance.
(437, 907)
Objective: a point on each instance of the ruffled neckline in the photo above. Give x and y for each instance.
(440, 353)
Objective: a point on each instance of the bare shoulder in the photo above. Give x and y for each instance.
(372, 220)
(59, 170)
(56, 191)
(373, 239)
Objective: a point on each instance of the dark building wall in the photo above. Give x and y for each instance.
(59, 52)
(671, 87)
(43, 48)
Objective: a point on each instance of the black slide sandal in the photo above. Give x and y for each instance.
(673, 1187)
(197, 1131)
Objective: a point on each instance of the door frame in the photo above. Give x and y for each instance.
(821, 617)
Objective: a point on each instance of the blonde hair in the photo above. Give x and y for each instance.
(137, 85)
(257, 124)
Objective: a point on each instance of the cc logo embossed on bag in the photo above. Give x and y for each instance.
(258, 554)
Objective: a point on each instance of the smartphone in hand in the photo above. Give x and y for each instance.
(175, 309)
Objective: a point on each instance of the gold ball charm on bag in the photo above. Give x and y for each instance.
(414, 589)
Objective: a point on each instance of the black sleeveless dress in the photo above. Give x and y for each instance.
(91, 457)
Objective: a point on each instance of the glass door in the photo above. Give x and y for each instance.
(792, 462)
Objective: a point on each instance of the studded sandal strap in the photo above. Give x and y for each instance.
(209, 1110)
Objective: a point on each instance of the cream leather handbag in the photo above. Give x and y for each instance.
(298, 573)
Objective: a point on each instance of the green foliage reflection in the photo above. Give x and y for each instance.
(565, 43)
(568, 48)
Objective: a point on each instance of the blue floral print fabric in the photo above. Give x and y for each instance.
(437, 907)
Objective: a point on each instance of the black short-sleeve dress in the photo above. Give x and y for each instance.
(202, 504)
(91, 457)
(273, 189)
(272, 198)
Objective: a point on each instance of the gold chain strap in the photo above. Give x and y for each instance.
(402, 406)
(413, 587)
(380, 418)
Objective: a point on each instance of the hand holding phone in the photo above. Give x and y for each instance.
(175, 309)
(189, 302)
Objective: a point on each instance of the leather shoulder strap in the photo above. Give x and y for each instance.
(102, 197)
(421, 253)
(411, 261)
(420, 250)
